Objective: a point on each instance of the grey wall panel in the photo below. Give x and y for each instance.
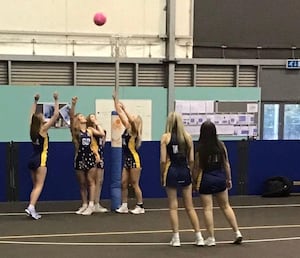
(280, 84)
(243, 25)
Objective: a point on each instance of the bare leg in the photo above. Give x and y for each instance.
(38, 179)
(207, 203)
(223, 202)
(98, 184)
(135, 174)
(91, 176)
(125, 177)
(173, 207)
(81, 177)
(189, 207)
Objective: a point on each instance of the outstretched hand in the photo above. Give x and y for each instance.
(36, 97)
(74, 100)
(55, 95)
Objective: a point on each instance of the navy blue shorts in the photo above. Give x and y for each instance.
(178, 177)
(213, 182)
(35, 162)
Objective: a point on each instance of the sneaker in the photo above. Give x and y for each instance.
(81, 210)
(33, 214)
(238, 238)
(138, 210)
(122, 209)
(199, 242)
(175, 241)
(99, 208)
(210, 241)
(88, 211)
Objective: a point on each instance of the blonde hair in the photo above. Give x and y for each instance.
(175, 126)
(137, 130)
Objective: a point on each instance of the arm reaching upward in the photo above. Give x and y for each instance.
(34, 105)
(120, 111)
(53, 119)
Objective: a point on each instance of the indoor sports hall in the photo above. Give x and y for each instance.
(129, 65)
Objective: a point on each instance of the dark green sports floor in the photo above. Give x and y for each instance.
(270, 226)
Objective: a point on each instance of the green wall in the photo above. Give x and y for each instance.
(16, 101)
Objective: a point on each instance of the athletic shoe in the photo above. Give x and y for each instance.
(122, 209)
(137, 210)
(210, 241)
(238, 238)
(99, 208)
(175, 241)
(199, 241)
(81, 210)
(33, 214)
(88, 211)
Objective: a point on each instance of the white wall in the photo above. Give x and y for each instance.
(65, 27)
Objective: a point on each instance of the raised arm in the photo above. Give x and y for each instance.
(130, 117)
(97, 132)
(53, 119)
(72, 109)
(34, 105)
(120, 111)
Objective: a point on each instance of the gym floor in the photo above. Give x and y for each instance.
(270, 227)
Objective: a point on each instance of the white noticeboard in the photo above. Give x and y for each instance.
(142, 107)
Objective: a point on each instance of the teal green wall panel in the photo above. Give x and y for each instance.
(16, 101)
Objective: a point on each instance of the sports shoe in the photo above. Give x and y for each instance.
(99, 208)
(137, 210)
(122, 209)
(175, 241)
(210, 241)
(33, 214)
(88, 211)
(238, 238)
(81, 210)
(199, 241)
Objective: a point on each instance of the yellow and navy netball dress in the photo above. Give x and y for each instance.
(100, 140)
(85, 158)
(39, 156)
(131, 158)
(178, 173)
(214, 177)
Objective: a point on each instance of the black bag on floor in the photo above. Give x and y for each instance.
(277, 186)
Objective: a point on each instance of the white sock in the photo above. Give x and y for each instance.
(125, 204)
(176, 235)
(31, 207)
(91, 204)
(238, 233)
(198, 235)
(84, 205)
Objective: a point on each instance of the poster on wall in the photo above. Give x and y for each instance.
(47, 109)
(142, 107)
(194, 113)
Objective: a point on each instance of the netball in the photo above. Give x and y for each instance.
(99, 19)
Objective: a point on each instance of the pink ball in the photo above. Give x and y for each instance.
(99, 19)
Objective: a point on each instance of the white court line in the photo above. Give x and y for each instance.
(137, 232)
(141, 244)
(162, 209)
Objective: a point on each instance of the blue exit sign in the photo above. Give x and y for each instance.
(293, 64)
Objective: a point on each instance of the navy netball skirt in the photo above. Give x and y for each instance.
(213, 182)
(178, 177)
